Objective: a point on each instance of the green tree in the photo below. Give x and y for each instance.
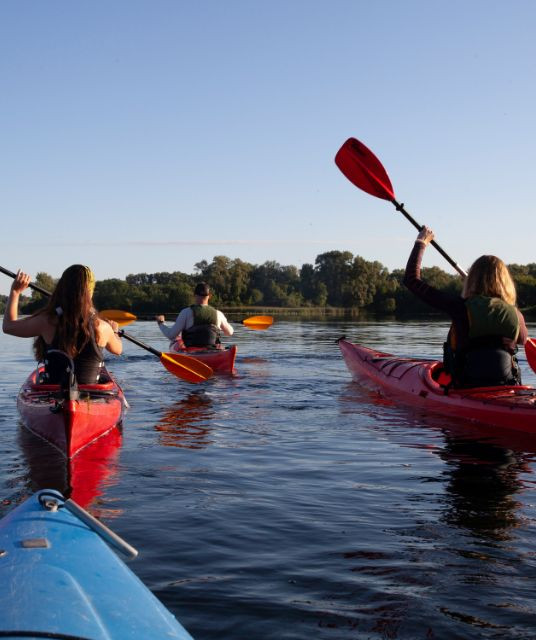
(280, 285)
(113, 293)
(46, 282)
(38, 300)
(178, 296)
(526, 290)
(334, 269)
(314, 291)
(255, 297)
(365, 279)
(228, 279)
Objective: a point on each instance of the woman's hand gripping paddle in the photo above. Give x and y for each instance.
(365, 171)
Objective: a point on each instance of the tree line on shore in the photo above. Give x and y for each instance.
(338, 279)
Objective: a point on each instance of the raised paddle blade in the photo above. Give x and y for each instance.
(186, 367)
(121, 317)
(259, 323)
(530, 352)
(363, 169)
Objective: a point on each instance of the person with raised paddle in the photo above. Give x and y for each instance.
(486, 325)
(67, 326)
(365, 171)
(199, 325)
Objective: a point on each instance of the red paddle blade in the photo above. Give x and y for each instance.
(530, 352)
(363, 169)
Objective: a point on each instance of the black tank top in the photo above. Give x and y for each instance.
(87, 364)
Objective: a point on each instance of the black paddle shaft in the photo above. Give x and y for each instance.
(400, 207)
(33, 286)
(140, 344)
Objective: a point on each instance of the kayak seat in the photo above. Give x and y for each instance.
(105, 383)
(103, 378)
(58, 369)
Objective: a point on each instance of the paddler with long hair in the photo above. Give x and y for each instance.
(68, 324)
(486, 324)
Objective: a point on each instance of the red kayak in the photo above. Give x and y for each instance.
(418, 382)
(73, 418)
(220, 359)
(83, 477)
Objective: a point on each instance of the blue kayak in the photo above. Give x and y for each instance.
(60, 579)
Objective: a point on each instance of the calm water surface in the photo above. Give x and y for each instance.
(288, 502)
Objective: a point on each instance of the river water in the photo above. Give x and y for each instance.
(288, 502)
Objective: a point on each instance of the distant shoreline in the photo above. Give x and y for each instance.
(319, 313)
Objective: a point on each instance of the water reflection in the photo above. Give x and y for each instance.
(483, 463)
(82, 478)
(186, 424)
(460, 525)
(482, 484)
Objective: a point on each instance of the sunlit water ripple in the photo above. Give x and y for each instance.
(289, 502)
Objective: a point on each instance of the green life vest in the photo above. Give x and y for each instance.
(204, 332)
(485, 360)
(491, 317)
(204, 314)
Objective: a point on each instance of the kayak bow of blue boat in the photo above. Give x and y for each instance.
(60, 579)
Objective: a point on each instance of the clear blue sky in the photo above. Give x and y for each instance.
(147, 136)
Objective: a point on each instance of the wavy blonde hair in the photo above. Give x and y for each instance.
(489, 276)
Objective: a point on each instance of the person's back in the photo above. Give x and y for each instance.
(486, 325)
(87, 363)
(487, 357)
(204, 331)
(199, 325)
(67, 325)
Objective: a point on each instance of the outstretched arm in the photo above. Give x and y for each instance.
(181, 323)
(413, 281)
(224, 325)
(25, 327)
(108, 338)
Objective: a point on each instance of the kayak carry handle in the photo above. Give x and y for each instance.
(102, 530)
(53, 500)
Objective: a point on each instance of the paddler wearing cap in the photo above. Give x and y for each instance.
(67, 325)
(198, 325)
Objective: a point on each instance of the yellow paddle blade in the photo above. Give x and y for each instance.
(121, 317)
(186, 367)
(258, 322)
